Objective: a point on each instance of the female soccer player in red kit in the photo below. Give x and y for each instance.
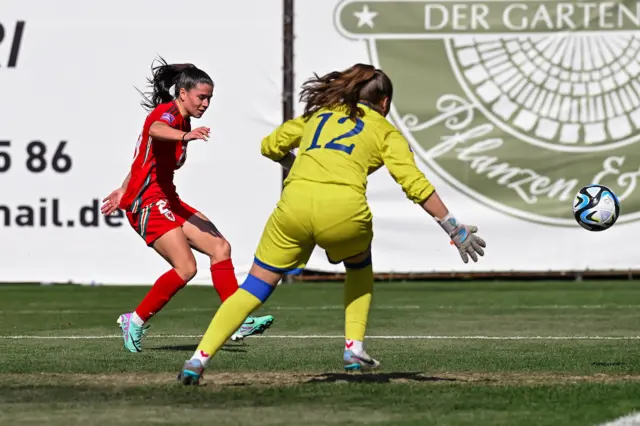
(157, 213)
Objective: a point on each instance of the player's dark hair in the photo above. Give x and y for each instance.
(359, 83)
(164, 76)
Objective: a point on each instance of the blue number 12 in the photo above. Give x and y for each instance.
(333, 143)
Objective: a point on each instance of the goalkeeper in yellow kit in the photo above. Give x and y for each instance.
(343, 136)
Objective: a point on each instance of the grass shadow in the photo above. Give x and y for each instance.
(225, 348)
(607, 364)
(378, 378)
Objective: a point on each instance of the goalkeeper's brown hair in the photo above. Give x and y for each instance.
(359, 83)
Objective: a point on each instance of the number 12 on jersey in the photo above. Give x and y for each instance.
(333, 143)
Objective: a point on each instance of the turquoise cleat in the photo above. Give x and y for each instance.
(131, 333)
(191, 373)
(359, 362)
(251, 326)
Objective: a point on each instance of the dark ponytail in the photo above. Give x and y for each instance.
(164, 76)
(361, 82)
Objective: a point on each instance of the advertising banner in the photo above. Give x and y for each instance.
(70, 118)
(510, 109)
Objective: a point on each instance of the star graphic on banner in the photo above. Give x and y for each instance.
(365, 16)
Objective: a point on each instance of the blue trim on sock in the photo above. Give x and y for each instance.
(359, 265)
(257, 287)
(288, 271)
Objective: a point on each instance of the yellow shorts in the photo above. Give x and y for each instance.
(334, 217)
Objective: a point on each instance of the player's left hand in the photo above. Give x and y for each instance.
(467, 242)
(111, 202)
(201, 133)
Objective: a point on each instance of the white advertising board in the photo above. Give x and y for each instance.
(71, 116)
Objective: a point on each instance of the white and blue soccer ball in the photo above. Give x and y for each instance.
(596, 207)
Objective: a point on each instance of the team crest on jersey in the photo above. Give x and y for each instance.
(516, 104)
(163, 209)
(169, 118)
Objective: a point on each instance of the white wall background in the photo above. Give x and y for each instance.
(74, 81)
(77, 67)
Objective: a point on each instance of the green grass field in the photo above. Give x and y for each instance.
(476, 353)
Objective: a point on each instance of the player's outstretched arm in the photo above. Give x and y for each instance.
(464, 237)
(112, 201)
(125, 182)
(399, 159)
(162, 131)
(279, 144)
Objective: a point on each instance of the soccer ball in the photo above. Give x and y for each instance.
(596, 208)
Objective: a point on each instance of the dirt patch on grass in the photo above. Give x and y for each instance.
(278, 379)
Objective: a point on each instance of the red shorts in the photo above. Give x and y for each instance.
(153, 221)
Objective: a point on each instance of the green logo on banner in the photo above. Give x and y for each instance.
(517, 104)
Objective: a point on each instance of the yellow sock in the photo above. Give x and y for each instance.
(226, 321)
(358, 289)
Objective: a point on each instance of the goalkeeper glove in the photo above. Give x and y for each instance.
(463, 237)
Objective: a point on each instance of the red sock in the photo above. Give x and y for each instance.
(162, 291)
(224, 279)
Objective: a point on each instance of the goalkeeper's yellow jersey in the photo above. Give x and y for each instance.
(336, 150)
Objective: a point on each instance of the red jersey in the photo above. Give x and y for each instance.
(155, 161)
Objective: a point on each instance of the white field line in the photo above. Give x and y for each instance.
(320, 336)
(629, 420)
(334, 308)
